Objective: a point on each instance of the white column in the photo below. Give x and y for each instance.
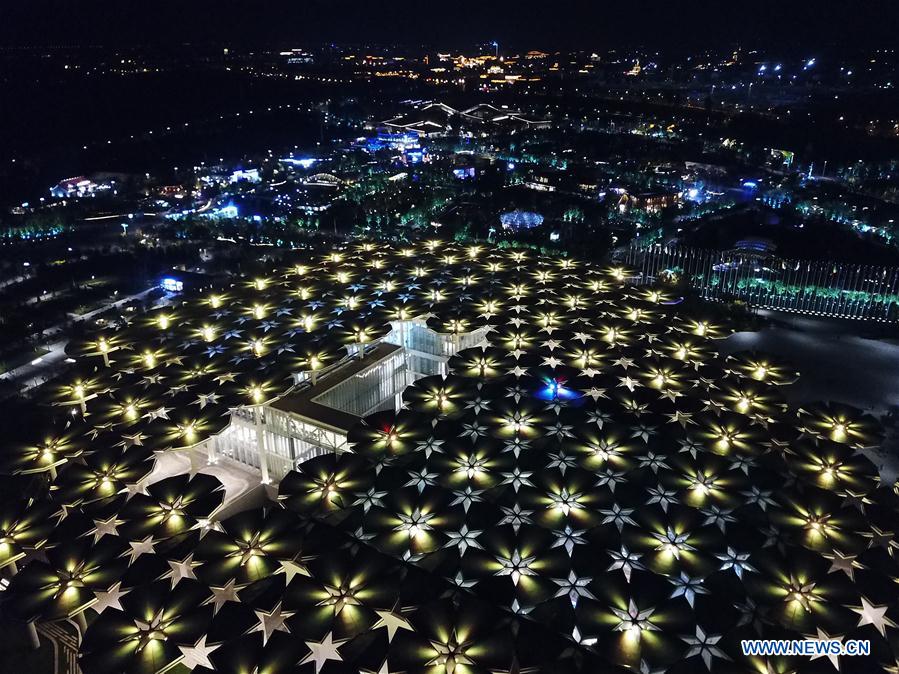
(210, 448)
(260, 445)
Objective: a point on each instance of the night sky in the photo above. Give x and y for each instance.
(547, 24)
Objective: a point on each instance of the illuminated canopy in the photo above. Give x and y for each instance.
(585, 486)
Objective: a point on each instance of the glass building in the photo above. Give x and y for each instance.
(314, 419)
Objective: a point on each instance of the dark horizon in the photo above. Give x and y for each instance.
(572, 24)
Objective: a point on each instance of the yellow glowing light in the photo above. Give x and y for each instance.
(726, 438)
(839, 430)
(818, 524)
(164, 322)
(208, 333)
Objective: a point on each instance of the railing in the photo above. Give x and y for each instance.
(819, 288)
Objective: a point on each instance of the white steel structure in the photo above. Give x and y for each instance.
(314, 419)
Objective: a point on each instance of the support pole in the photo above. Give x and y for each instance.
(33, 636)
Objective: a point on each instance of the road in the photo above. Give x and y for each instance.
(41, 369)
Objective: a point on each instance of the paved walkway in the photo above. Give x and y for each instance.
(41, 369)
(835, 364)
(239, 480)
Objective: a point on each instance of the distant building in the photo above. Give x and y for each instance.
(180, 280)
(79, 187)
(435, 119)
(574, 181)
(246, 175)
(653, 201)
(432, 119)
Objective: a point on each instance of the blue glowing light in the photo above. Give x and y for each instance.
(556, 390)
(750, 184)
(517, 220)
